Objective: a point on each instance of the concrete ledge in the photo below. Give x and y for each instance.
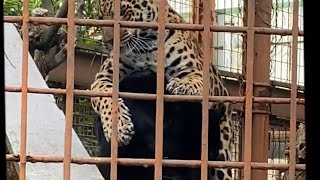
(45, 134)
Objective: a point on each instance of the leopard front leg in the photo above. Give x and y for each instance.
(103, 105)
(226, 145)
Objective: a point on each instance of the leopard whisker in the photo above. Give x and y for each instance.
(134, 43)
(147, 46)
(145, 38)
(143, 47)
(133, 48)
(138, 45)
(129, 47)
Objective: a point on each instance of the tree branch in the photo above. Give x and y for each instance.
(80, 9)
(49, 42)
(47, 4)
(45, 41)
(57, 59)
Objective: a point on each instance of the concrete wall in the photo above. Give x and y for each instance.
(45, 121)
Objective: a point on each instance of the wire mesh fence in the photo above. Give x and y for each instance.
(279, 132)
(281, 48)
(83, 119)
(279, 140)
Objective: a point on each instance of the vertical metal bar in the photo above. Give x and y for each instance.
(115, 90)
(249, 91)
(24, 90)
(261, 74)
(201, 20)
(205, 101)
(160, 91)
(195, 14)
(213, 35)
(293, 104)
(69, 91)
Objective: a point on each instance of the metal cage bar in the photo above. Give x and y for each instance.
(24, 90)
(150, 97)
(249, 91)
(293, 104)
(115, 91)
(205, 101)
(150, 162)
(160, 92)
(69, 91)
(191, 27)
(158, 162)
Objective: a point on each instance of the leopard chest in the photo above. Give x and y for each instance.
(143, 59)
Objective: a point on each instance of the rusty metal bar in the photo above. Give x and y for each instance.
(270, 31)
(115, 90)
(261, 87)
(69, 91)
(196, 14)
(131, 24)
(13, 19)
(249, 91)
(214, 24)
(160, 90)
(150, 162)
(293, 104)
(150, 97)
(24, 90)
(206, 40)
(250, 30)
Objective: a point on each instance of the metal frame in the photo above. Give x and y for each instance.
(158, 162)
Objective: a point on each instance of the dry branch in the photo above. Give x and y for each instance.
(45, 38)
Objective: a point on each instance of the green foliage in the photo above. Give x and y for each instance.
(86, 33)
(90, 9)
(14, 7)
(56, 4)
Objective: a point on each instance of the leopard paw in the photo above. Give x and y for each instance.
(125, 125)
(185, 86)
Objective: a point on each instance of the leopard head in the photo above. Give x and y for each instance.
(131, 10)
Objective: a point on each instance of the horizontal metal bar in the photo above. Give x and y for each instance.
(150, 162)
(167, 98)
(153, 25)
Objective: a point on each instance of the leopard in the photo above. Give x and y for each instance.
(183, 63)
(300, 153)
